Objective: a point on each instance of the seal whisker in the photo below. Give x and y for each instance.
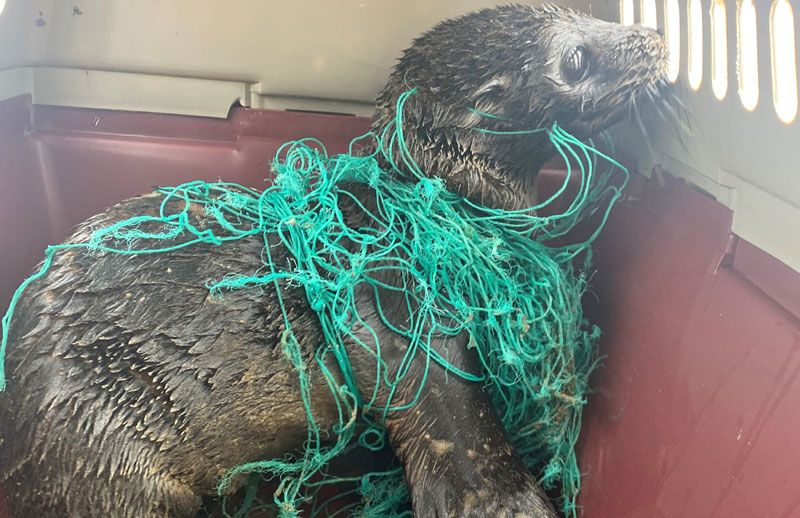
(642, 127)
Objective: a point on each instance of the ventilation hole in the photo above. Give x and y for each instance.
(784, 64)
(719, 49)
(695, 68)
(747, 54)
(672, 34)
(649, 16)
(626, 12)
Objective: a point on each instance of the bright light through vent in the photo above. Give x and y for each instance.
(649, 17)
(695, 68)
(672, 34)
(747, 46)
(784, 64)
(719, 49)
(625, 12)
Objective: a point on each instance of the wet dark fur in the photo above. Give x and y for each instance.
(131, 392)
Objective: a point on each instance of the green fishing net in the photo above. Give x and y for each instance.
(493, 274)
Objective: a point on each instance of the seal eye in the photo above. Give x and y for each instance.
(576, 64)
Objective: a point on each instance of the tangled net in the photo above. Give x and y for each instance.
(468, 269)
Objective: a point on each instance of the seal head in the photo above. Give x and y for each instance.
(486, 79)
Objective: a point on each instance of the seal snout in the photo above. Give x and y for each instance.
(648, 47)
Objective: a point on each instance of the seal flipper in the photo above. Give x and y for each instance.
(456, 455)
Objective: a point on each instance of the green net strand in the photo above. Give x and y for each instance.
(492, 274)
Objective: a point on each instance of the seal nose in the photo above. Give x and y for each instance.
(648, 50)
(651, 41)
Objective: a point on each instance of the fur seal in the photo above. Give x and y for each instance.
(131, 392)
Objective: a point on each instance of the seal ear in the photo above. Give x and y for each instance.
(493, 86)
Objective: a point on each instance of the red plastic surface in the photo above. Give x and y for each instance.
(697, 411)
(59, 166)
(697, 408)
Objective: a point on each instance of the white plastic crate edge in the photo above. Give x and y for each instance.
(128, 91)
(124, 91)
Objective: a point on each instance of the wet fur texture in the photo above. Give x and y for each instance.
(131, 392)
